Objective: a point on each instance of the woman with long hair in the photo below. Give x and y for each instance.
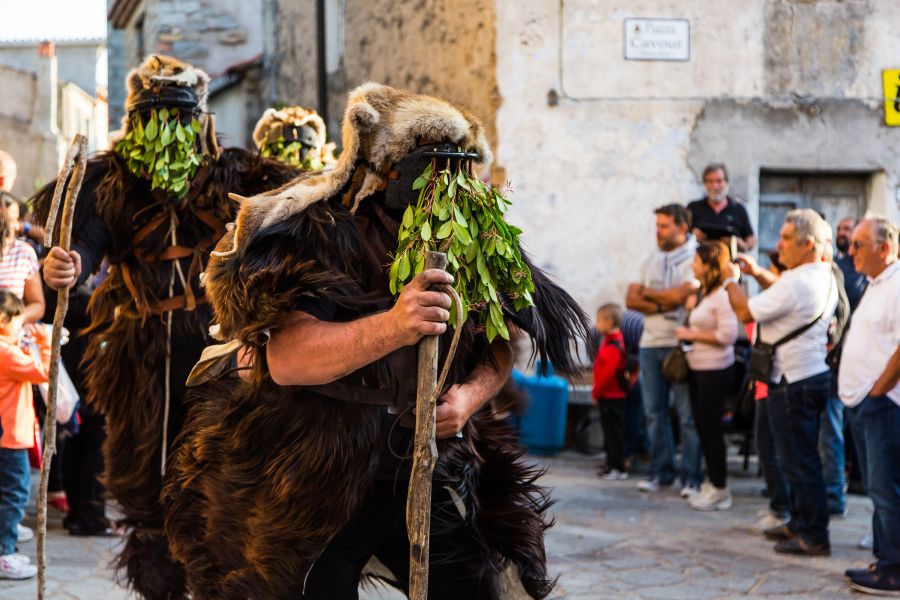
(19, 267)
(712, 329)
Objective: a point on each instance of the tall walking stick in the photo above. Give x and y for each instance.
(73, 171)
(428, 387)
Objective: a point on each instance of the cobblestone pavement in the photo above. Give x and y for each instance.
(609, 541)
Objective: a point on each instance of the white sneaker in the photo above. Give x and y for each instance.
(867, 542)
(710, 498)
(12, 567)
(688, 492)
(21, 558)
(25, 534)
(767, 520)
(649, 486)
(615, 475)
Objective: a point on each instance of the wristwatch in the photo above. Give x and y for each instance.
(729, 280)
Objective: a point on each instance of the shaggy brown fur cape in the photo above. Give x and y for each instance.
(126, 354)
(264, 476)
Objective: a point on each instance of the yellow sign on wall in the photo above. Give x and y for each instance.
(891, 97)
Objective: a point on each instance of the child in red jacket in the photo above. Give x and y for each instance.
(608, 390)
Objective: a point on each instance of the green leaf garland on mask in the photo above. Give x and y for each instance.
(292, 154)
(458, 214)
(162, 150)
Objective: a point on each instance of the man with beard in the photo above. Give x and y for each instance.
(153, 208)
(718, 215)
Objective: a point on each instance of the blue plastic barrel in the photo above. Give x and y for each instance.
(542, 426)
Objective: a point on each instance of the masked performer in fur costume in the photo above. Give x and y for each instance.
(294, 135)
(290, 475)
(154, 207)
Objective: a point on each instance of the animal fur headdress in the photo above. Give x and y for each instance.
(160, 70)
(381, 125)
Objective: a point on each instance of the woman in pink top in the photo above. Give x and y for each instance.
(19, 267)
(712, 329)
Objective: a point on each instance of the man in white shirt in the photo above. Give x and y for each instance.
(667, 280)
(869, 385)
(806, 293)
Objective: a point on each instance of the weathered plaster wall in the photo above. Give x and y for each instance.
(34, 149)
(291, 58)
(778, 84)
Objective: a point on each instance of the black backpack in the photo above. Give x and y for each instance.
(627, 375)
(839, 321)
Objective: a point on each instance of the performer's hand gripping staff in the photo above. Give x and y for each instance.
(428, 388)
(72, 172)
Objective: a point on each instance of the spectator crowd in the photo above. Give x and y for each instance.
(809, 346)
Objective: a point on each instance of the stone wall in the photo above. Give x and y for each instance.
(36, 154)
(592, 142)
(440, 47)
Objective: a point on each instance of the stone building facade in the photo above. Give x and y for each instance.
(50, 93)
(787, 93)
(222, 37)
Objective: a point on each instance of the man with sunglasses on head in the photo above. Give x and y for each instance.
(869, 385)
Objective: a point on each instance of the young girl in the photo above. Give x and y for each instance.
(18, 370)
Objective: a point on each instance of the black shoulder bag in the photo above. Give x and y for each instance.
(762, 355)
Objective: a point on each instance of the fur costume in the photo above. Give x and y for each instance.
(296, 463)
(296, 123)
(156, 247)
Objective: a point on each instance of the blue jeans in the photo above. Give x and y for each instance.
(635, 434)
(831, 452)
(876, 430)
(794, 413)
(15, 474)
(659, 430)
(776, 484)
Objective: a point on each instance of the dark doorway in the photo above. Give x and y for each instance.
(834, 195)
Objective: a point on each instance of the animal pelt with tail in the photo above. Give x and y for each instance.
(295, 462)
(119, 218)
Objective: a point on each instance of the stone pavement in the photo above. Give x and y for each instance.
(610, 541)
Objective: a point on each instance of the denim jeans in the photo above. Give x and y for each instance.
(767, 451)
(635, 433)
(14, 484)
(794, 413)
(659, 430)
(876, 430)
(831, 452)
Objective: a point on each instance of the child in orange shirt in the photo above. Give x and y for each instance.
(18, 370)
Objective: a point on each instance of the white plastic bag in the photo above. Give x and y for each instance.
(66, 398)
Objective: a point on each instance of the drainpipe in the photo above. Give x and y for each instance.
(321, 68)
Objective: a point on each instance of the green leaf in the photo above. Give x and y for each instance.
(451, 189)
(408, 217)
(419, 183)
(445, 230)
(403, 269)
(151, 130)
(392, 276)
(195, 125)
(457, 214)
(179, 133)
(462, 234)
(426, 231)
(420, 264)
(165, 136)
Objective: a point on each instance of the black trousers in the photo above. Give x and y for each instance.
(379, 529)
(612, 419)
(82, 468)
(708, 390)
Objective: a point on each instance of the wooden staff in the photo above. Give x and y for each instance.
(418, 502)
(73, 171)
